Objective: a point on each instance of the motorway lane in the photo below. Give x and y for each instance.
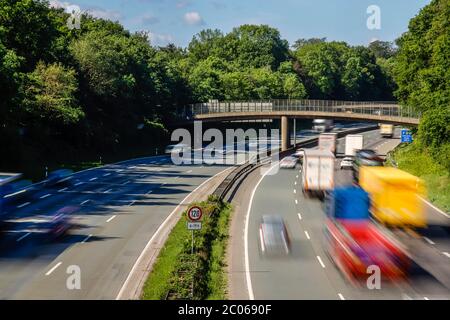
(308, 273)
(127, 203)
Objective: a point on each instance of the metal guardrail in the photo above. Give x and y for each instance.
(224, 188)
(379, 108)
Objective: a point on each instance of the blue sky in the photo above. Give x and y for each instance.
(178, 20)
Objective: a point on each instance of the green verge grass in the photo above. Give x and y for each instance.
(178, 274)
(418, 162)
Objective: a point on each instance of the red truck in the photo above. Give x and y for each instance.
(354, 242)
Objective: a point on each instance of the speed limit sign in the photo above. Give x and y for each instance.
(195, 213)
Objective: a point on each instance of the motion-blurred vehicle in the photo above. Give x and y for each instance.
(299, 156)
(327, 141)
(396, 196)
(57, 225)
(289, 162)
(317, 172)
(347, 163)
(6, 179)
(353, 142)
(354, 246)
(177, 148)
(18, 190)
(322, 125)
(387, 130)
(365, 157)
(273, 236)
(59, 177)
(354, 242)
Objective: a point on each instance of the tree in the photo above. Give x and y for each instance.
(298, 44)
(422, 69)
(10, 82)
(422, 72)
(321, 66)
(205, 44)
(258, 46)
(382, 49)
(29, 28)
(50, 95)
(205, 79)
(293, 88)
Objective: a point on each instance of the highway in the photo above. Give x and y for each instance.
(308, 273)
(121, 207)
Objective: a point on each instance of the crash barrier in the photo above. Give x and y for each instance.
(227, 184)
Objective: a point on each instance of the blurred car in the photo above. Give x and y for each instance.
(288, 162)
(299, 154)
(365, 157)
(58, 225)
(16, 191)
(59, 177)
(177, 148)
(274, 237)
(347, 163)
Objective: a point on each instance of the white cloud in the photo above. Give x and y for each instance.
(193, 18)
(157, 39)
(59, 4)
(96, 12)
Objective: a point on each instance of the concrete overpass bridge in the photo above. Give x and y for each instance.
(372, 111)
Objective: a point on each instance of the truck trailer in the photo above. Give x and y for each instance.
(395, 196)
(317, 171)
(353, 142)
(387, 130)
(327, 141)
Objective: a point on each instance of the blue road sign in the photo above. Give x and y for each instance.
(406, 136)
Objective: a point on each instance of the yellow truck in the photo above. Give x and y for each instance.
(395, 196)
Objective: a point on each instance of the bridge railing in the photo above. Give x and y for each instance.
(378, 108)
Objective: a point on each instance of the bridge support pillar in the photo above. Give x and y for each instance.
(285, 139)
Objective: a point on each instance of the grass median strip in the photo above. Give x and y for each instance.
(178, 274)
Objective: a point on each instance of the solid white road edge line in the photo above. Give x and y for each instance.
(247, 266)
(138, 260)
(435, 208)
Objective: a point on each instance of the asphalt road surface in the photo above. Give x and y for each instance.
(120, 207)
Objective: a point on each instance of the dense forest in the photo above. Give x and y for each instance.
(100, 88)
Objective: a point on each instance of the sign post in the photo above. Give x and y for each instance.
(194, 215)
